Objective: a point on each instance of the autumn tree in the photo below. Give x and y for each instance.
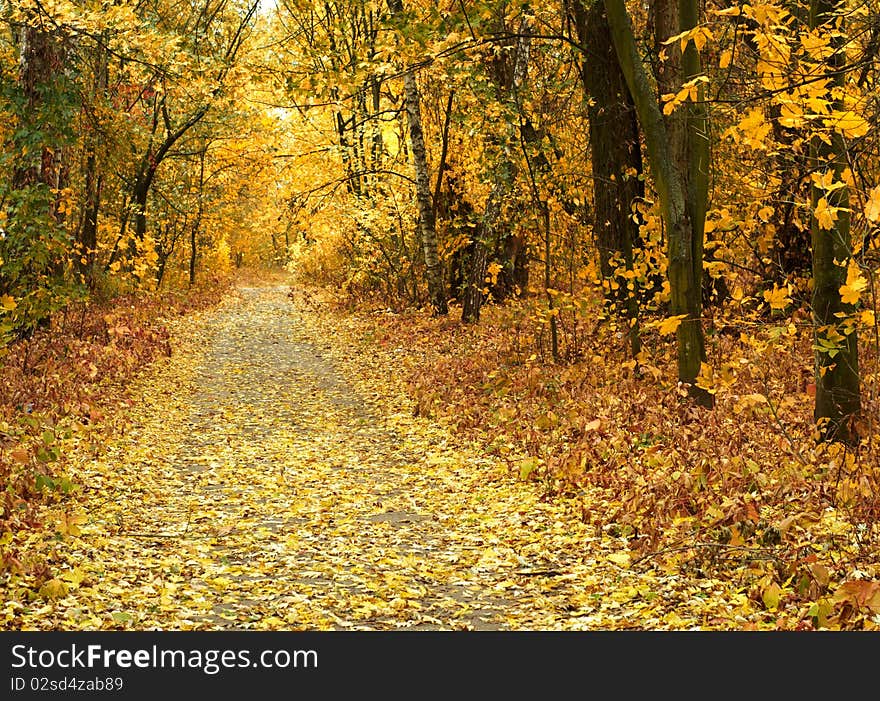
(615, 158)
(838, 398)
(41, 99)
(507, 70)
(677, 144)
(427, 223)
(173, 110)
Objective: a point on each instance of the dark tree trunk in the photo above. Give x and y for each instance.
(678, 160)
(616, 159)
(87, 234)
(838, 398)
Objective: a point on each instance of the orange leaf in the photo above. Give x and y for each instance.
(861, 593)
(593, 425)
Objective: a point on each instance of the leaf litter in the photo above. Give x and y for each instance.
(276, 474)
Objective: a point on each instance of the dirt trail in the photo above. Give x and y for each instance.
(270, 479)
(257, 489)
(321, 504)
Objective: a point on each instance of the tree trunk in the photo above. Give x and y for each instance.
(427, 225)
(684, 252)
(838, 397)
(35, 243)
(196, 225)
(41, 62)
(87, 234)
(615, 155)
(472, 298)
(505, 174)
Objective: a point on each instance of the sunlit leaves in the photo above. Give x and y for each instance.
(848, 123)
(690, 91)
(699, 35)
(872, 206)
(778, 297)
(754, 129)
(825, 214)
(670, 324)
(855, 284)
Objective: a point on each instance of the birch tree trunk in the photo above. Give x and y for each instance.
(427, 223)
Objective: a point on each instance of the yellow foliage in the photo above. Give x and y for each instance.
(778, 297)
(855, 283)
(872, 206)
(825, 214)
(670, 325)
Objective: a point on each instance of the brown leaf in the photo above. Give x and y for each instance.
(864, 595)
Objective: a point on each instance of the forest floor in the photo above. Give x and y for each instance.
(275, 474)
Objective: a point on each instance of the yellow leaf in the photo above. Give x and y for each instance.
(771, 595)
(7, 302)
(69, 524)
(736, 538)
(53, 589)
(701, 36)
(754, 129)
(677, 37)
(777, 297)
(791, 115)
(492, 271)
(825, 181)
(621, 559)
(855, 283)
(725, 59)
(848, 123)
(825, 214)
(765, 213)
(670, 325)
(816, 44)
(74, 576)
(706, 379)
(872, 207)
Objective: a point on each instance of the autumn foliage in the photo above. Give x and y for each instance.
(625, 251)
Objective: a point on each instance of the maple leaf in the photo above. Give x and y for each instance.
(54, 589)
(778, 297)
(825, 214)
(855, 283)
(826, 181)
(754, 129)
(848, 123)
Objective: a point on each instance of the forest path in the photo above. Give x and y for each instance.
(259, 487)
